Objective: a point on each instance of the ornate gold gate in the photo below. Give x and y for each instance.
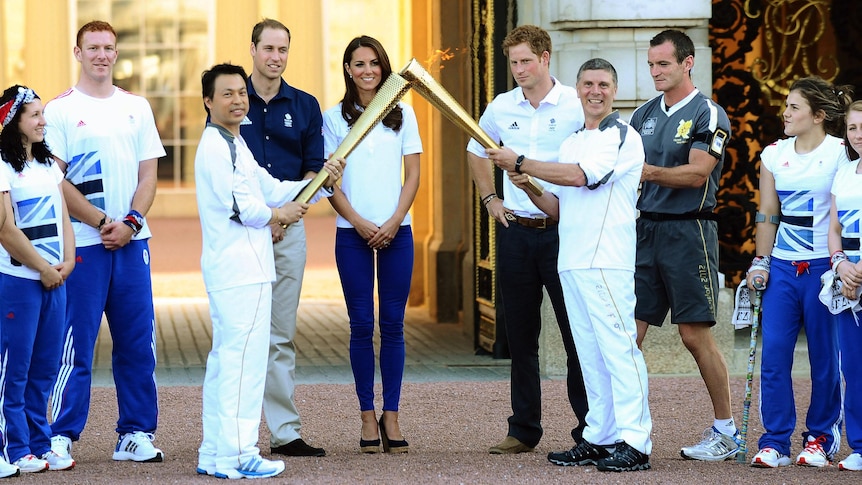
(492, 20)
(759, 48)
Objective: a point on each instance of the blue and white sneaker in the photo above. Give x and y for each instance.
(137, 446)
(715, 446)
(254, 467)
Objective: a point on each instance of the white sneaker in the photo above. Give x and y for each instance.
(813, 454)
(137, 446)
(770, 458)
(851, 463)
(7, 470)
(254, 467)
(715, 446)
(31, 464)
(57, 462)
(61, 445)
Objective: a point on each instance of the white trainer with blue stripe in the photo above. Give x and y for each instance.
(254, 467)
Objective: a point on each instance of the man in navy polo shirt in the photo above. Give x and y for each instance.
(284, 134)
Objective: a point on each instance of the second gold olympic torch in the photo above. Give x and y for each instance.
(437, 95)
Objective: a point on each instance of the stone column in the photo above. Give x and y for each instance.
(620, 32)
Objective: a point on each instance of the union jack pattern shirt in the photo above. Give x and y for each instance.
(103, 141)
(38, 211)
(803, 184)
(848, 202)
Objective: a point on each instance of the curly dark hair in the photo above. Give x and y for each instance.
(11, 147)
(351, 107)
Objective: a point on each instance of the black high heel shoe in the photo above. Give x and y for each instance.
(369, 446)
(392, 446)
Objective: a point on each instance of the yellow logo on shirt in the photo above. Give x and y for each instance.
(683, 131)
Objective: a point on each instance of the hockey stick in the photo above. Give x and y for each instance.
(752, 351)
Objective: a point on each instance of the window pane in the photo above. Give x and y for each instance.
(193, 117)
(93, 9)
(127, 71)
(166, 164)
(162, 48)
(159, 70)
(194, 62)
(163, 111)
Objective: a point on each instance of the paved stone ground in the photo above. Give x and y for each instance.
(454, 403)
(449, 425)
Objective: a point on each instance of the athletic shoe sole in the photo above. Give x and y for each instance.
(572, 463)
(612, 468)
(126, 456)
(710, 457)
(758, 463)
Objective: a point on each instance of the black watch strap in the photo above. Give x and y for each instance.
(518, 163)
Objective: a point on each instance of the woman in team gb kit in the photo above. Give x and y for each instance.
(844, 242)
(796, 175)
(37, 256)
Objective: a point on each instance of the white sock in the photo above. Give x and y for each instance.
(725, 426)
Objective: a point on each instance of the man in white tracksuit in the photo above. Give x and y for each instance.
(237, 201)
(599, 169)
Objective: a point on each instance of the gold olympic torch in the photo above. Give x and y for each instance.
(390, 92)
(437, 95)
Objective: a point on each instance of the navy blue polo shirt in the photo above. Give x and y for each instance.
(285, 135)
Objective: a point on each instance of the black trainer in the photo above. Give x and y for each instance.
(624, 459)
(584, 453)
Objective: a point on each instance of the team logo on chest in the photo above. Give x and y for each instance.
(288, 120)
(683, 132)
(552, 125)
(648, 127)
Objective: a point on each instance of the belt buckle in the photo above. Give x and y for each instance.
(510, 217)
(542, 222)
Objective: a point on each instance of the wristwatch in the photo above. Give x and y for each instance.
(518, 163)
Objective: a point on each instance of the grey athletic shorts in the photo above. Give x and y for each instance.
(676, 269)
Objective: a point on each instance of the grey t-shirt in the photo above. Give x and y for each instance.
(668, 136)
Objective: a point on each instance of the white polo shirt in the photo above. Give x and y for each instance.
(536, 133)
(372, 179)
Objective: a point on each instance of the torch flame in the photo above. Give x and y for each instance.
(438, 57)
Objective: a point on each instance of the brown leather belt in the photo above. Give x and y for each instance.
(535, 223)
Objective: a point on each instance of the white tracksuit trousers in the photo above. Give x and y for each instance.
(235, 375)
(601, 304)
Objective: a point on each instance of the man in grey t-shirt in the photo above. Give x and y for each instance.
(684, 135)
